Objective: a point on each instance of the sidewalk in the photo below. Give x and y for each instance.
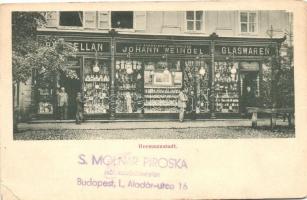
(131, 125)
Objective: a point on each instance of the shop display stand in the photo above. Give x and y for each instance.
(45, 104)
(161, 99)
(96, 90)
(226, 88)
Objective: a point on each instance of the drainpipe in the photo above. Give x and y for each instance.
(213, 37)
(112, 104)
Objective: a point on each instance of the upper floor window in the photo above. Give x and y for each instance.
(122, 19)
(71, 19)
(248, 22)
(194, 20)
(125, 20)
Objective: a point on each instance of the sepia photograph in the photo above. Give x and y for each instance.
(153, 100)
(193, 74)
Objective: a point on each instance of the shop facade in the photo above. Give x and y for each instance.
(140, 76)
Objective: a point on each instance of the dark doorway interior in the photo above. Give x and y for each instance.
(72, 86)
(249, 89)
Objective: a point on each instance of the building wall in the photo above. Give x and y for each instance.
(224, 23)
(25, 100)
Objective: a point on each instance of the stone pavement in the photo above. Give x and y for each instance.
(131, 125)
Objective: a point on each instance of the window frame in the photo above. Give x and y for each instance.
(194, 22)
(71, 27)
(248, 23)
(122, 29)
(99, 19)
(57, 19)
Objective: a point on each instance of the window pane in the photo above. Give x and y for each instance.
(199, 15)
(190, 15)
(252, 27)
(243, 27)
(198, 25)
(71, 18)
(122, 19)
(190, 25)
(252, 17)
(243, 17)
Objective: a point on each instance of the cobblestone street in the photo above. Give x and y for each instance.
(214, 129)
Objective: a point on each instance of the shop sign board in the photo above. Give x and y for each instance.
(160, 48)
(73, 63)
(249, 66)
(84, 46)
(245, 50)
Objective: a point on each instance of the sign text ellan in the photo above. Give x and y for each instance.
(90, 46)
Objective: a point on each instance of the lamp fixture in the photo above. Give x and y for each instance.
(128, 65)
(166, 71)
(202, 71)
(96, 66)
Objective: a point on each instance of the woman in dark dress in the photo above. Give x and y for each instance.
(79, 112)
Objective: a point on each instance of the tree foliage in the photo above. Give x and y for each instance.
(30, 55)
(278, 81)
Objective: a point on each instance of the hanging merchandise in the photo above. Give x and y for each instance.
(94, 84)
(96, 67)
(227, 94)
(127, 83)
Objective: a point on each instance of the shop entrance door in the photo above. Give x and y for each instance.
(248, 89)
(72, 86)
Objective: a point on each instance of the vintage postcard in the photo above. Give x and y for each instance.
(153, 100)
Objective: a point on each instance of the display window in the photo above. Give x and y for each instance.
(226, 87)
(162, 84)
(45, 97)
(129, 86)
(196, 81)
(96, 85)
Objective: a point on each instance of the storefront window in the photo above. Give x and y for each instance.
(96, 86)
(45, 98)
(196, 81)
(44, 92)
(226, 87)
(162, 84)
(129, 86)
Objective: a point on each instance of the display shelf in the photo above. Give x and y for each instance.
(150, 97)
(161, 99)
(172, 105)
(96, 86)
(227, 88)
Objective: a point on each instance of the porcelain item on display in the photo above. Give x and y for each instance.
(129, 70)
(139, 66)
(96, 68)
(233, 70)
(122, 64)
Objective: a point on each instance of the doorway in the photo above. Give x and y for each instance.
(72, 86)
(249, 88)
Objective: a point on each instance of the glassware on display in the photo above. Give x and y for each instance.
(226, 87)
(129, 85)
(96, 86)
(45, 105)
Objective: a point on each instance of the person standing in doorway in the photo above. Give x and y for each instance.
(182, 104)
(63, 103)
(79, 112)
(250, 98)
